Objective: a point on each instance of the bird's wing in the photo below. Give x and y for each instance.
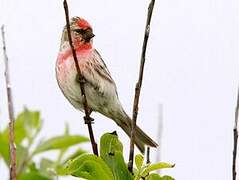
(98, 75)
(101, 67)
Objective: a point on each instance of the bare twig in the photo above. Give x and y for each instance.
(148, 155)
(235, 134)
(138, 85)
(87, 118)
(12, 146)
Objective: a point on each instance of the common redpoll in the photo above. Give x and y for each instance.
(100, 88)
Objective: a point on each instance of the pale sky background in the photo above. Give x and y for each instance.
(192, 68)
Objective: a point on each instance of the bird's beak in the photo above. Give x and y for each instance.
(88, 35)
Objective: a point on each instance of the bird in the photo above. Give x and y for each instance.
(100, 88)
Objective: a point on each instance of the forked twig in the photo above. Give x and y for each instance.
(235, 138)
(138, 85)
(87, 118)
(12, 146)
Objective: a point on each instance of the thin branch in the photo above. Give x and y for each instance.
(12, 146)
(235, 138)
(138, 85)
(80, 78)
(148, 155)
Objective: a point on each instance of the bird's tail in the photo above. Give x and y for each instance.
(141, 138)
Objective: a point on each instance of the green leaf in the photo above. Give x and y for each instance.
(77, 153)
(46, 164)
(88, 166)
(166, 178)
(111, 152)
(4, 149)
(153, 176)
(60, 142)
(109, 142)
(139, 159)
(27, 125)
(63, 150)
(21, 155)
(32, 167)
(34, 175)
(160, 165)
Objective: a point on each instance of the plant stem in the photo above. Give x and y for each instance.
(148, 155)
(235, 138)
(87, 118)
(139, 84)
(12, 146)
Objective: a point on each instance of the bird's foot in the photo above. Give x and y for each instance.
(88, 120)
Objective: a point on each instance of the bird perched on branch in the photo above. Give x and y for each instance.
(100, 88)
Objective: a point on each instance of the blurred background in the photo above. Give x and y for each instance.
(190, 83)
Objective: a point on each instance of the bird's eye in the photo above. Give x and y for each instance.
(79, 31)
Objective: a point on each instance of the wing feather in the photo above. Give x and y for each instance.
(98, 76)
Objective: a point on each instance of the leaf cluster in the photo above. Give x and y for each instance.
(110, 165)
(28, 125)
